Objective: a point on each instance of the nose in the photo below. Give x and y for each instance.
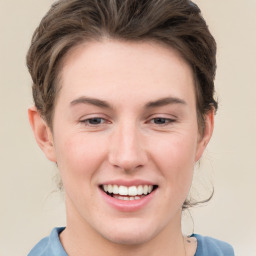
(127, 151)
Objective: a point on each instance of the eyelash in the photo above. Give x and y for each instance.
(166, 120)
(86, 121)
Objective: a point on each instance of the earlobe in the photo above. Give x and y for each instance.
(42, 133)
(207, 134)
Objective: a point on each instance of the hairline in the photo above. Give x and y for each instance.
(106, 37)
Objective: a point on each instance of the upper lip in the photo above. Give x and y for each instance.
(128, 183)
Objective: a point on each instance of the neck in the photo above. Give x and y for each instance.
(79, 238)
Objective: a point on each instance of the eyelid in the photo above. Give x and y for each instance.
(169, 120)
(92, 116)
(85, 121)
(163, 115)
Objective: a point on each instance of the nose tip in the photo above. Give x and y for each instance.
(127, 165)
(127, 152)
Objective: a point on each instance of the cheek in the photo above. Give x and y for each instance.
(175, 158)
(177, 150)
(78, 157)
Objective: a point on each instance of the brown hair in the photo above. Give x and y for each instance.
(176, 23)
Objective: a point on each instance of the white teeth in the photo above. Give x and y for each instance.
(145, 189)
(140, 190)
(115, 190)
(123, 191)
(110, 189)
(132, 191)
(128, 198)
(105, 187)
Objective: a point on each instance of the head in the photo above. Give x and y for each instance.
(76, 35)
(177, 24)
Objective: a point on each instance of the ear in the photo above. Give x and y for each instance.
(42, 133)
(207, 134)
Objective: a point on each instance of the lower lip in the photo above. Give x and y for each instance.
(128, 206)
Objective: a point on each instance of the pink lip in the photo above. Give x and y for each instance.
(128, 183)
(127, 206)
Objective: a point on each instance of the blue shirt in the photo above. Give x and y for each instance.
(206, 246)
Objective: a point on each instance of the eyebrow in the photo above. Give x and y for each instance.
(91, 101)
(152, 104)
(165, 101)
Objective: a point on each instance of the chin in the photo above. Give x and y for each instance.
(130, 233)
(125, 238)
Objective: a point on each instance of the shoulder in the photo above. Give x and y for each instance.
(49, 246)
(212, 247)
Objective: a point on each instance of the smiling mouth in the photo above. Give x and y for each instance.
(128, 193)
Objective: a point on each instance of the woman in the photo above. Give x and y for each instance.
(124, 105)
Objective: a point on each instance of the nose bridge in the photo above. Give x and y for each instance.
(126, 146)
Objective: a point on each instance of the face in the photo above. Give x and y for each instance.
(125, 137)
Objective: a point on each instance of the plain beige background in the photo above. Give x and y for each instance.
(29, 207)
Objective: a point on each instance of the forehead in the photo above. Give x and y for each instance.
(123, 70)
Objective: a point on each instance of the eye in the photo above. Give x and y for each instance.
(162, 121)
(95, 121)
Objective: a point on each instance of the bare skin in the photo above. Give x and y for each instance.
(125, 114)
